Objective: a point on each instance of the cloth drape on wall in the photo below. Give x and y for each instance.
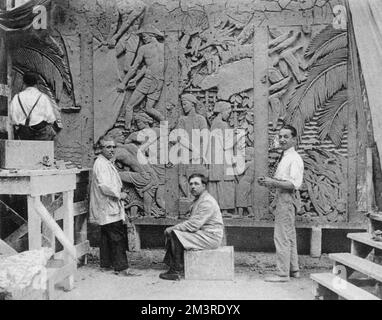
(20, 18)
(367, 22)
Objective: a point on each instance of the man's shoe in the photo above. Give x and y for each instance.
(277, 278)
(105, 269)
(127, 273)
(170, 275)
(295, 274)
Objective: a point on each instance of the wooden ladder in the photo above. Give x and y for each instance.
(336, 285)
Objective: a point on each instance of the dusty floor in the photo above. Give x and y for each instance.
(250, 270)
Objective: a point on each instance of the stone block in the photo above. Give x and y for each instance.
(24, 154)
(215, 264)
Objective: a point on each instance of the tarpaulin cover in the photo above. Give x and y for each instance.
(367, 22)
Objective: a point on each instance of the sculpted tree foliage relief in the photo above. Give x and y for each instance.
(317, 106)
(46, 56)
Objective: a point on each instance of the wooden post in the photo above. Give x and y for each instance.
(81, 232)
(316, 242)
(4, 90)
(49, 220)
(69, 233)
(134, 239)
(49, 240)
(260, 92)
(34, 224)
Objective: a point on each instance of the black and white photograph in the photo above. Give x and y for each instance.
(190, 155)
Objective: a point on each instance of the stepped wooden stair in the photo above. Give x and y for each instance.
(336, 285)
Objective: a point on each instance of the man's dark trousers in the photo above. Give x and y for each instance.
(174, 253)
(113, 246)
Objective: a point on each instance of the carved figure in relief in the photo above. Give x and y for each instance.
(125, 40)
(190, 121)
(244, 187)
(115, 49)
(151, 76)
(144, 122)
(222, 185)
(130, 13)
(140, 176)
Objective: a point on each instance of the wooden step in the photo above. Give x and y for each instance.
(346, 290)
(376, 216)
(364, 266)
(365, 238)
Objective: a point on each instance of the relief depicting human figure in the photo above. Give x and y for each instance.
(138, 175)
(115, 49)
(189, 121)
(130, 13)
(222, 184)
(124, 39)
(144, 122)
(244, 187)
(151, 54)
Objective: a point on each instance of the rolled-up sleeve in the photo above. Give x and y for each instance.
(50, 117)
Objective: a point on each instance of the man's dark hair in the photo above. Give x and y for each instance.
(198, 175)
(291, 128)
(30, 79)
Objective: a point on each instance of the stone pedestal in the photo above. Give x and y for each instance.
(209, 264)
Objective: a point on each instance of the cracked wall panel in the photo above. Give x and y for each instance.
(172, 111)
(265, 12)
(68, 142)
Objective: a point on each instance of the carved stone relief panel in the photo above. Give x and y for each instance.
(308, 89)
(192, 64)
(216, 70)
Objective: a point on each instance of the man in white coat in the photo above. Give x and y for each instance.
(203, 230)
(106, 209)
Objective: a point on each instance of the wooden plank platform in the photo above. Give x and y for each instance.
(365, 238)
(376, 216)
(364, 266)
(34, 173)
(346, 290)
(79, 208)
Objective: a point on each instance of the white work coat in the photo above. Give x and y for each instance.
(105, 193)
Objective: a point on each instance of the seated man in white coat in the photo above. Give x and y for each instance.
(203, 230)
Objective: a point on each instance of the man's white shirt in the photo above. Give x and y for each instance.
(42, 112)
(291, 168)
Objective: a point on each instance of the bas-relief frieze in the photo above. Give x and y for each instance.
(214, 45)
